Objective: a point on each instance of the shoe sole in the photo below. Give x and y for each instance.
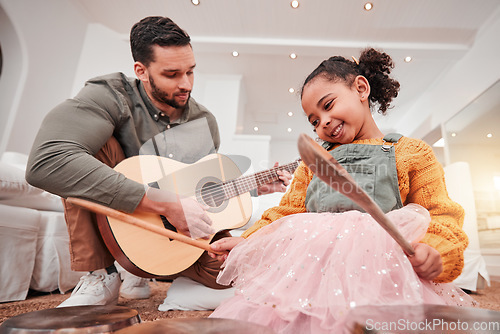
(135, 296)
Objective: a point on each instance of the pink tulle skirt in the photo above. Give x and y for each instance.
(304, 272)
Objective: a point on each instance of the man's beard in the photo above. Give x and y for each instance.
(162, 97)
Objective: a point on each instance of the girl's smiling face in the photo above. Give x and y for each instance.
(339, 112)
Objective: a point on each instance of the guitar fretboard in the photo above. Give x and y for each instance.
(247, 183)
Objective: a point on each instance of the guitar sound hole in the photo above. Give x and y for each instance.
(212, 194)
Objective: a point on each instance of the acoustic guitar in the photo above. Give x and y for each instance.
(214, 181)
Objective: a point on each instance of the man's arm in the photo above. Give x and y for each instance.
(62, 157)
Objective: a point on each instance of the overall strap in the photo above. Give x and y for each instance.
(389, 138)
(327, 145)
(392, 138)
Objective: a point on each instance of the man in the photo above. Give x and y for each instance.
(112, 118)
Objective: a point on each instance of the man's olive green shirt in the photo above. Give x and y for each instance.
(62, 157)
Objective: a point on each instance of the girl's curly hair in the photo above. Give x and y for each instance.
(374, 65)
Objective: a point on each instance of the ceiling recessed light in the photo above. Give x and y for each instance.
(291, 90)
(255, 128)
(489, 135)
(368, 6)
(289, 129)
(293, 55)
(294, 4)
(290, 113)
(195, 2)
(453, 134)
(408, 59)
(235, 54)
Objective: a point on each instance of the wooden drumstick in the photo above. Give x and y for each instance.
(126, 218)
(332, 173)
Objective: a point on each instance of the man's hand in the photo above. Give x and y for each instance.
(426, 262)
(186, 214)
(224, 244)
(191, 218)
(277, 186)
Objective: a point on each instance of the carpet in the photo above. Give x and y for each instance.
(488, 298)
(147, 308)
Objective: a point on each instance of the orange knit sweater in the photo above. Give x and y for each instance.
(421, 181)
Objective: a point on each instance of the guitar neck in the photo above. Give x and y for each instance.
(247, 183)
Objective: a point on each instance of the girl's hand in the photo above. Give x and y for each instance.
(224, 244)
(277, 186)
(426, 262)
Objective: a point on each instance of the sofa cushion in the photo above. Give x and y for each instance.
(18, 237)
(15, 191)
(52, 269)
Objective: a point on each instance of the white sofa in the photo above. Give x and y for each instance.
(459, 185)
(34, 251)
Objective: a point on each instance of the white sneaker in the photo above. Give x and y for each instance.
(134, 287)
(95, 288)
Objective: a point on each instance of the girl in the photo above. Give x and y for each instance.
(311, 259)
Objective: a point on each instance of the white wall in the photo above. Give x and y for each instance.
(220, 94)
(14, 70)
(50, 42)
(484, 163)
(285, 151)
(104, 51)
(224, 97)
(464, 82)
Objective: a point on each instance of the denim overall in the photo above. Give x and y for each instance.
(373, 167)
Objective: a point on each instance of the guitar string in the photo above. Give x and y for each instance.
(241, 182)
(260, 176)
(244, 182)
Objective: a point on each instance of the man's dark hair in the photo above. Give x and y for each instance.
(155, 30)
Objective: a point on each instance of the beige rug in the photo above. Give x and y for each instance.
(147, 308)
(488, 298)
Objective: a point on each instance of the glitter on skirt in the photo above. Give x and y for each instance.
(304, 272)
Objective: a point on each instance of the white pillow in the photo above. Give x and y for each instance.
(15, 191)
(187, 295)
(16, 159)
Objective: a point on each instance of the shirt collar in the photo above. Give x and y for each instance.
(157, 114)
